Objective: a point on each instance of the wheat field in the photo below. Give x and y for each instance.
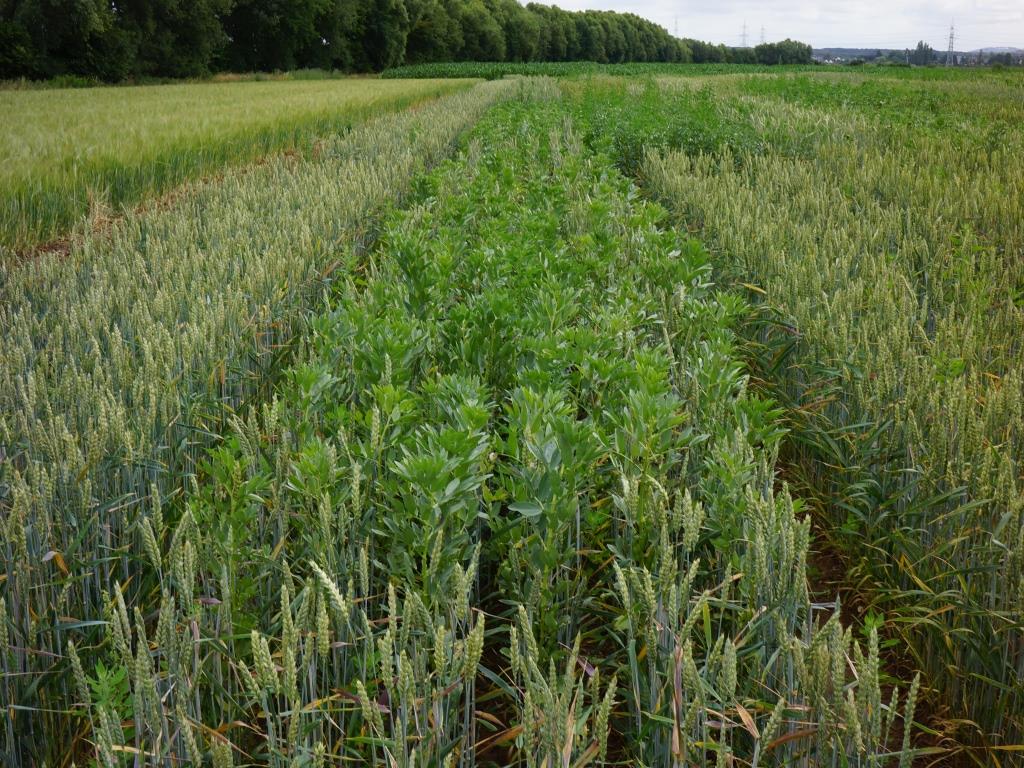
(79, 154)
(517, 423)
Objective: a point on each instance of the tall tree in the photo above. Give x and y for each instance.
(434, 35)
(18, 54)
(116, 39)
(785, 52)
(520, 27)
(482, 36)
(385, 29)
(58, 37)
(173, 38)
(337, 44)
(283, 34)
(923, 55)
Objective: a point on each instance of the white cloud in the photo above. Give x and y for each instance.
(852, 23)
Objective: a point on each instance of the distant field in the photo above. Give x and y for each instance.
(64, 153)
(493, 70)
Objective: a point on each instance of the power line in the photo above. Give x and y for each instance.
(743, 37)
(762, 35)
(952, 40)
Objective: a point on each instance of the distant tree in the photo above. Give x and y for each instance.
(434, 33)
(272, 34)
(55, 37)
(743, 56)
(336, 44)
(482, 36)
(591, 39)
(117, 39)
(173, 38)
(785, 52)
(551, 39)
(923, 55)
(706, 52)
(18, 54)
(615, 47)
(1001, 59)
(520, 29)
(385, 29)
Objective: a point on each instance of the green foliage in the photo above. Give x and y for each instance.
(785, 52)
(386, 26)
(54, 38)
(434, 34)
(911, 100)
(283, 35)
(171, 38)
(108, 41)
(167, 38)
(922, 55)
(627, 123)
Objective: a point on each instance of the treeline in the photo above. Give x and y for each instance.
(785, 52)
(192, 38)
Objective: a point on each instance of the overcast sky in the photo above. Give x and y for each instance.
(833, 23)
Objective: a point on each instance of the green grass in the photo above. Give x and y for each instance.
(79, 81)
(68, 154)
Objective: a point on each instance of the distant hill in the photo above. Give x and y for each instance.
(999, 50)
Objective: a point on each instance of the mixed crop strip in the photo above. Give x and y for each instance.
(71, 154)
(118, 359)
(879, 78)
(885, 225)
(511, 496)
(493, 70)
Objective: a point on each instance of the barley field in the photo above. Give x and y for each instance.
(661, 418)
